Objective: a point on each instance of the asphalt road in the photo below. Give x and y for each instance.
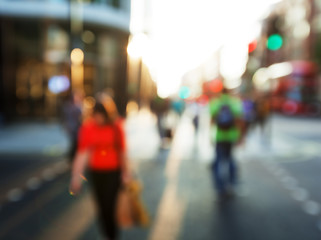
(278, 196)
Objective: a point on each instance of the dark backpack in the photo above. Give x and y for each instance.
(225, 117)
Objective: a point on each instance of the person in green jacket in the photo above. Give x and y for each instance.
(226, 113)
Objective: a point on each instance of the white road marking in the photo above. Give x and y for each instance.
(289, 182)
(300, 194)
(169, 216)
(319, 224)
(49, 174)
(311, 207)
(61, 167)
(171, 209)
(280, 172)
(33, 183)
(15, 195)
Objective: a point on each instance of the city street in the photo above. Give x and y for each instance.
(278, 196)
(69, 70)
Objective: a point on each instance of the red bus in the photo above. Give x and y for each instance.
(298, 93)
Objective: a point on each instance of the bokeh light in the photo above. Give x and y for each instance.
(58, 84)
(274, 42)
(88, 37)
(216, 86)
(260, 77)
(77, 56)
(301, 30)
(233, 83)
(138, 45)
(185, 92)
(280, 70)
(234, 57)
(252, 46)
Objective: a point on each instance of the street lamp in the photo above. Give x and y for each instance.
(136, 49)
(76, 54)
(77, 68)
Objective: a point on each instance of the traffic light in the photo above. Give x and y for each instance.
(274, 42)
(274, 32)
(184, 92)
(252, 46)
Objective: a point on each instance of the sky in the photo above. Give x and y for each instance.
(182, 34)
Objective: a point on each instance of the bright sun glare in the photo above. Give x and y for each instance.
(181, 34)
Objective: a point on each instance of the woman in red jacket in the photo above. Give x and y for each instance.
(101, 147)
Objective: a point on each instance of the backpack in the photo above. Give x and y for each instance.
(225, 117)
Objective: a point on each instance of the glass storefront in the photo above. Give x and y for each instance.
(35, 52)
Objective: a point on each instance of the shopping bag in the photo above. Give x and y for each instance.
(131, 210)
(124, 211)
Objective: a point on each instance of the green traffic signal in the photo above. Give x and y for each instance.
(184, 92)
(274, 42)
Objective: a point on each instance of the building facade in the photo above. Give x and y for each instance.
(36, 40)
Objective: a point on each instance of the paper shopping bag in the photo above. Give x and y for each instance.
(131, 210)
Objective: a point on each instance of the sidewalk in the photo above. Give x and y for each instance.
(33, 139)
(50, 139)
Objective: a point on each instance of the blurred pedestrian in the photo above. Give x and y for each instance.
(101, 147)
(263, 110)
(249, 113)
(226, 112)
(195, 108)
(178, 105)
(72, 118)
(160, 107)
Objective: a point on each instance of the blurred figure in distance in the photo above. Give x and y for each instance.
(195, 107)
(249, 113)
(102, 148)
(227, 113)
(263, 110)
(72, 118)
(160, 107)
